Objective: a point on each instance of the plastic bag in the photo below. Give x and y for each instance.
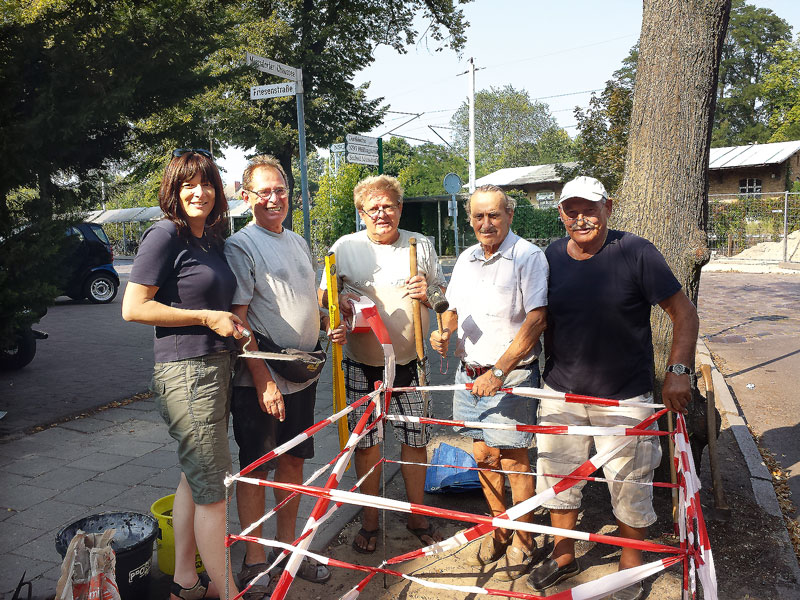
(88, 569)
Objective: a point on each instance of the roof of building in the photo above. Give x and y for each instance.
(519, 176)
(752, 155)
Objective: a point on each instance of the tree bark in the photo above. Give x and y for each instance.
(664, 194)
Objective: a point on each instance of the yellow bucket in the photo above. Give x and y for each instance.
(165, 544)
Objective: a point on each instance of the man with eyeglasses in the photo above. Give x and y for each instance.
(375, 263)
(498, 306)
(276, 296)
(598, 342)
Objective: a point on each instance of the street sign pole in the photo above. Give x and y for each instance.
(380, 156)
(301, 130)
(272, 67)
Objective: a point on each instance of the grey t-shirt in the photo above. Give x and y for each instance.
(275, 279)
(189, 274)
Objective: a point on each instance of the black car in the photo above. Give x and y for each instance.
(92, 274)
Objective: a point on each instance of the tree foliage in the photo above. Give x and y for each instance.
(333, 213)
(426, 168)
(744, 109)
(740, 117)
(603, 128)
(782, 91)
(75, 75)
(332, 40)
(511, 130)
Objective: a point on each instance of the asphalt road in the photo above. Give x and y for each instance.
(92, 357)
(751, 324)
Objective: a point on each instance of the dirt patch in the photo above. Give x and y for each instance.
(748, 554)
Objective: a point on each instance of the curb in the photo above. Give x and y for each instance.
(760, 477)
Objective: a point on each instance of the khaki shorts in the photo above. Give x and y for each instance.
(193, 397)
(561, 454)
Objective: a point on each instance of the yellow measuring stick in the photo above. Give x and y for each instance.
(339, 397)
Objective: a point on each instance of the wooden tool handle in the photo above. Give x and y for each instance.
(412, 253)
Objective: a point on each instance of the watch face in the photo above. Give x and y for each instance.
(498, 373)
(679, 369)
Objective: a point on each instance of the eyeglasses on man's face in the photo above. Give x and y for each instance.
(201, 151)
(375, 212)
(278, 192)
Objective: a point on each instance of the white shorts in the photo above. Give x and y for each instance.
(561, 454)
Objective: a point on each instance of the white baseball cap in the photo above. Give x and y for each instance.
(584, 187)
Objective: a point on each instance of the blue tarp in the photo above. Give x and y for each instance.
(440, 479)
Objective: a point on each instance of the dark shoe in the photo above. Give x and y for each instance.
(369, 536)
(265, 585)
(488, 551)
(632, 592)
(196, 592)
(310, 569)
(549, 573)
(516, 563)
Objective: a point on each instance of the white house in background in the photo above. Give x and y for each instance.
(754, 169)
(541, 183)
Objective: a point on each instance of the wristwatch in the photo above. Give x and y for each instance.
(498, 373)
(681, 369)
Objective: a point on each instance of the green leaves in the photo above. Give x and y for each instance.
(509, 127)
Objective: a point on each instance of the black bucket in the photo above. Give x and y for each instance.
(132, 544)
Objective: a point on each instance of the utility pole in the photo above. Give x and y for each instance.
(471, 125)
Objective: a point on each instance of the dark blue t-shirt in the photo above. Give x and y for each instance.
(189, 274)
(598, 340)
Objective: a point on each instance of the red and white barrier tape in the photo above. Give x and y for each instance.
(533, 392)
(695, 547)
(550, 429)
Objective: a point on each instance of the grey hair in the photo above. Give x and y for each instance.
(510, 203)
(377, 183)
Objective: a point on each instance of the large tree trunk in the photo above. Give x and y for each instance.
(664, 194)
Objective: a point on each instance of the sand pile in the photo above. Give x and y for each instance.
(773, 251)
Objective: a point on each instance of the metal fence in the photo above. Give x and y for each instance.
(757, 228)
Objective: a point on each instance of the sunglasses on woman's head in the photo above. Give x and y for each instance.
(201, 151)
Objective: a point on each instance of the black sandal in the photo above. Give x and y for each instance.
(369, 536)
(196, 592)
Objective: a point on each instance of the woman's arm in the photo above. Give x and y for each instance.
(139, 305)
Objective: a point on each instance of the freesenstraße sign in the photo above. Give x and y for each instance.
(272, 67)
(275, 90)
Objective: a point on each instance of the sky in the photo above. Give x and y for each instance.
(557, 51)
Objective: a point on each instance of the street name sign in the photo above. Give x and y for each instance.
(338, 147)
(275, 90)
(353, 138)
(363, 159)
(361, 149)
(272, 67)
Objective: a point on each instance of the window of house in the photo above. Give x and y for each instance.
(546, 199)
(750, 185)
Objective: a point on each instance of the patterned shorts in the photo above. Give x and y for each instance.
(359, 380)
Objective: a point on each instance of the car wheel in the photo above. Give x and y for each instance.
(20, 352)
(100, 288)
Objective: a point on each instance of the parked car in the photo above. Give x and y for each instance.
(92, 265)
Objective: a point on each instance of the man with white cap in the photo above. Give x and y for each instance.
(598, 342)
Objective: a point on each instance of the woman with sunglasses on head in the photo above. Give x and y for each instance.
(181, 284)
